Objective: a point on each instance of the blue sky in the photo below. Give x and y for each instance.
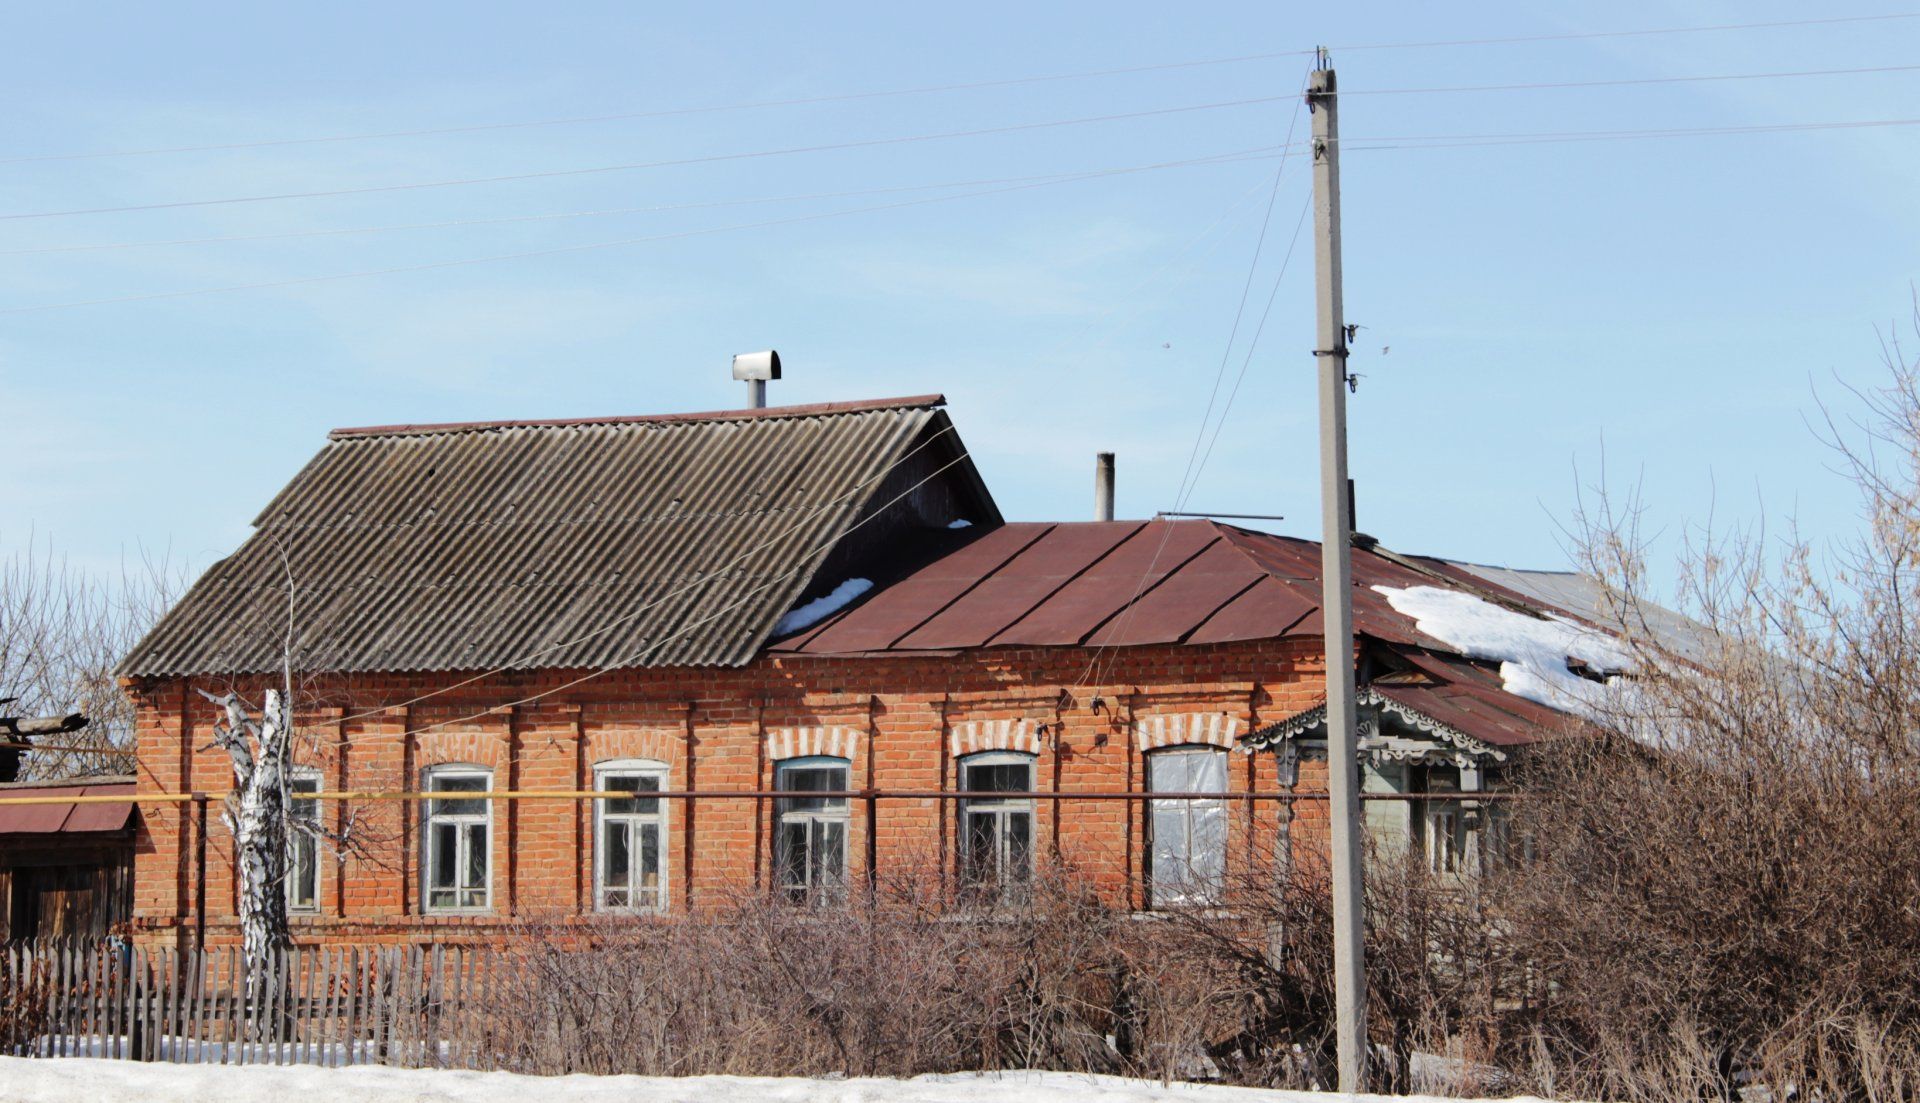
(1665, 306)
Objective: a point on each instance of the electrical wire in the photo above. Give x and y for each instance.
(551, 174)
(1253, 265)
(642, 658)
(923, 89)
(1573, 36)
(1548, 137)
(655, 114)
(1256, 153)
(1405, 142)
(524, 661)
(560, 250)
(1285, 262)
(1541, 85)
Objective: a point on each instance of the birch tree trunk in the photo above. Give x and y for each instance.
(256, 814)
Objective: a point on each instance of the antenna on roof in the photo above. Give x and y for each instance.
(756, 368)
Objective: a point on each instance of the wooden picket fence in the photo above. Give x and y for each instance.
(396, 1005)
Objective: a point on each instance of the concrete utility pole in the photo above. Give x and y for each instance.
(1336, 569)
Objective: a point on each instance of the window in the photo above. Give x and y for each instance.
(631, 838)
(303, 844)
(458, 834)
(1446, 837)
(996, 834)
(1187, 853)
(810, 833)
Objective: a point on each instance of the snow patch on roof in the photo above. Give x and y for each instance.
(820, 608)
(1533, 654)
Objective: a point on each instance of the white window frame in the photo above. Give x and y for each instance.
(608, 813)
(1002, 811)
(1163, 889)
(301, 843)
(434, 816)
(831, 810)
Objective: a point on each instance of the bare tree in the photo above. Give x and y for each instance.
(62, 633)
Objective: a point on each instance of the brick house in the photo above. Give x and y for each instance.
(773, 601)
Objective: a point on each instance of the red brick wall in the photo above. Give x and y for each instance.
(721, 729)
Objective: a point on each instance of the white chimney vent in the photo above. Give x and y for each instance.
(755, 369)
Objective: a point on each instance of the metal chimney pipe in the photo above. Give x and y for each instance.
(1103, 486)
(755, 369)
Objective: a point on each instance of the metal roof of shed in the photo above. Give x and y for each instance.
(68, 818)
(644, 541)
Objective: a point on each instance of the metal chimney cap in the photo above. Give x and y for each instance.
(759, 366)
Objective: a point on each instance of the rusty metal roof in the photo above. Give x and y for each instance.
(636, 541)
(65, 817)
(1114, 583)
(1453, 693)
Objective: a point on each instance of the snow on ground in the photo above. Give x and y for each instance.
(1532, 653)
(64, 1080)
(820, 608)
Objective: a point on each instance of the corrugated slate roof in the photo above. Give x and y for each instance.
(571, 544)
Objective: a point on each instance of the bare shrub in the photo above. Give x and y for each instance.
(1727, 883)
(908, 982)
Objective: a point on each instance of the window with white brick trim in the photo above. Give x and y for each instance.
(996, 833)
(457, 836)
(1187, 844)
(810, 832)
(630, 837)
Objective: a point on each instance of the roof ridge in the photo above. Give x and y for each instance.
(816, 409)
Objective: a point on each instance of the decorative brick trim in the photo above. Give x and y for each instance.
(1215, 728)
(974, 736)
(658, 744)
(835, 741)
(481, 748)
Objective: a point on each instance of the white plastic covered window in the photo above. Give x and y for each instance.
(810, 832)
(631, 838)
(458, 836)
(1187, 851)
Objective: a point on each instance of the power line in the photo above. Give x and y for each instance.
(1285, 262)
(1383, 142)
(653, 648)
(1180, 496)
(1008, 82)
(1577, 35)
(1461, 141)
(1256, 153)
(638, 165)
(524, 661)
(1412, 142)
(536, 253)
(1541, 85)
(655, 114)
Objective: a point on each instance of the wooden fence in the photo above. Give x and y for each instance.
(404, 1005)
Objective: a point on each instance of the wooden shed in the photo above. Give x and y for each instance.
(66, 867)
